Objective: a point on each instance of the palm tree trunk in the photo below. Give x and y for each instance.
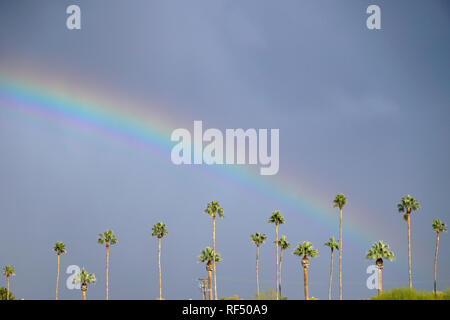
(57, 278)
(305, 282)
(340, 253)
(279, 272)
(159, 267)
(214, 257)
(409, 249)
(276, 258)
(435, 260)
(107, 268)
(7, 291)
(209, 285)
(380, 281)
(331, 276)
(84, 295)
(257, 275)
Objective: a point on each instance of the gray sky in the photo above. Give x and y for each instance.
(360, 112)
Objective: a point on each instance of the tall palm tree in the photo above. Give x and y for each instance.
(58, 248)
(438, 226)
(332, 244)
(84, 278)
(339, 201)
(305, 250)
(377, 252)
(258, 239)
(159, 230)
(207, 255)
(213, 208)
(283, 244)
(277, 219)
(406, 206)
(8, 271)
(108, 238)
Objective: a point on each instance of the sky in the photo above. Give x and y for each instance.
(362, 112)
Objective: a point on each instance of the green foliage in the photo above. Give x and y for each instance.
(159, 230)
(412, 294)
(84, 277)
(4, 292)
(213, 208)
(282, 243)
(306, 249)
(8, 271)
(258, 238)
(339, 201)
(235, 297)
(207, 255)
(332, 244)
(380, 250)
(59, 247)
(276, 218)
(107, 237)
(439, 226)
(269, 294)
(407, 205)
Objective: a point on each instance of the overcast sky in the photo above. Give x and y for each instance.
(362, 112)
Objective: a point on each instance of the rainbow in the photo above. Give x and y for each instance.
(148, 128)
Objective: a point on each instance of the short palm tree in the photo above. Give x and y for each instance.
(438, 226)
(59, 248)
(406, 206)
(333, 245)
(213, 208)
(305, 250)
(378, 252)
(207, 255)
(159, 231)
(277, 219)
(108, 238)
(283, 244)
(84, 278)
(258, 239)
(8, 271)
(339, 201)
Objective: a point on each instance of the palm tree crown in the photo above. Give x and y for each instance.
(107, 237)
(207, 256)
(258, 238)
(439, 226)
(283, 243)
(277, 218)
(84, 277)
(332, 244)
(59, 248)
(159, 230)
(379, 250)
(339, 201)
(407, 205)
(306, 249)
(213, 208)
(8, 271)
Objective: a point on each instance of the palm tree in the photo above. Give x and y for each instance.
(438, 226)
(84, 278)
(258, 239)
(407, 205)
(278, 219)
(207, 255)
(283, 244)
(8, 271)
(159, 230)
(340, 202)
(378, 251)
(332, 244)
(58, 248)
(305, 250)
(213, 208)
(107, 238)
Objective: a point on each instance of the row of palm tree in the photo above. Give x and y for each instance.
(305, 250)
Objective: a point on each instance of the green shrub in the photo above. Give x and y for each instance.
(412, 294)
